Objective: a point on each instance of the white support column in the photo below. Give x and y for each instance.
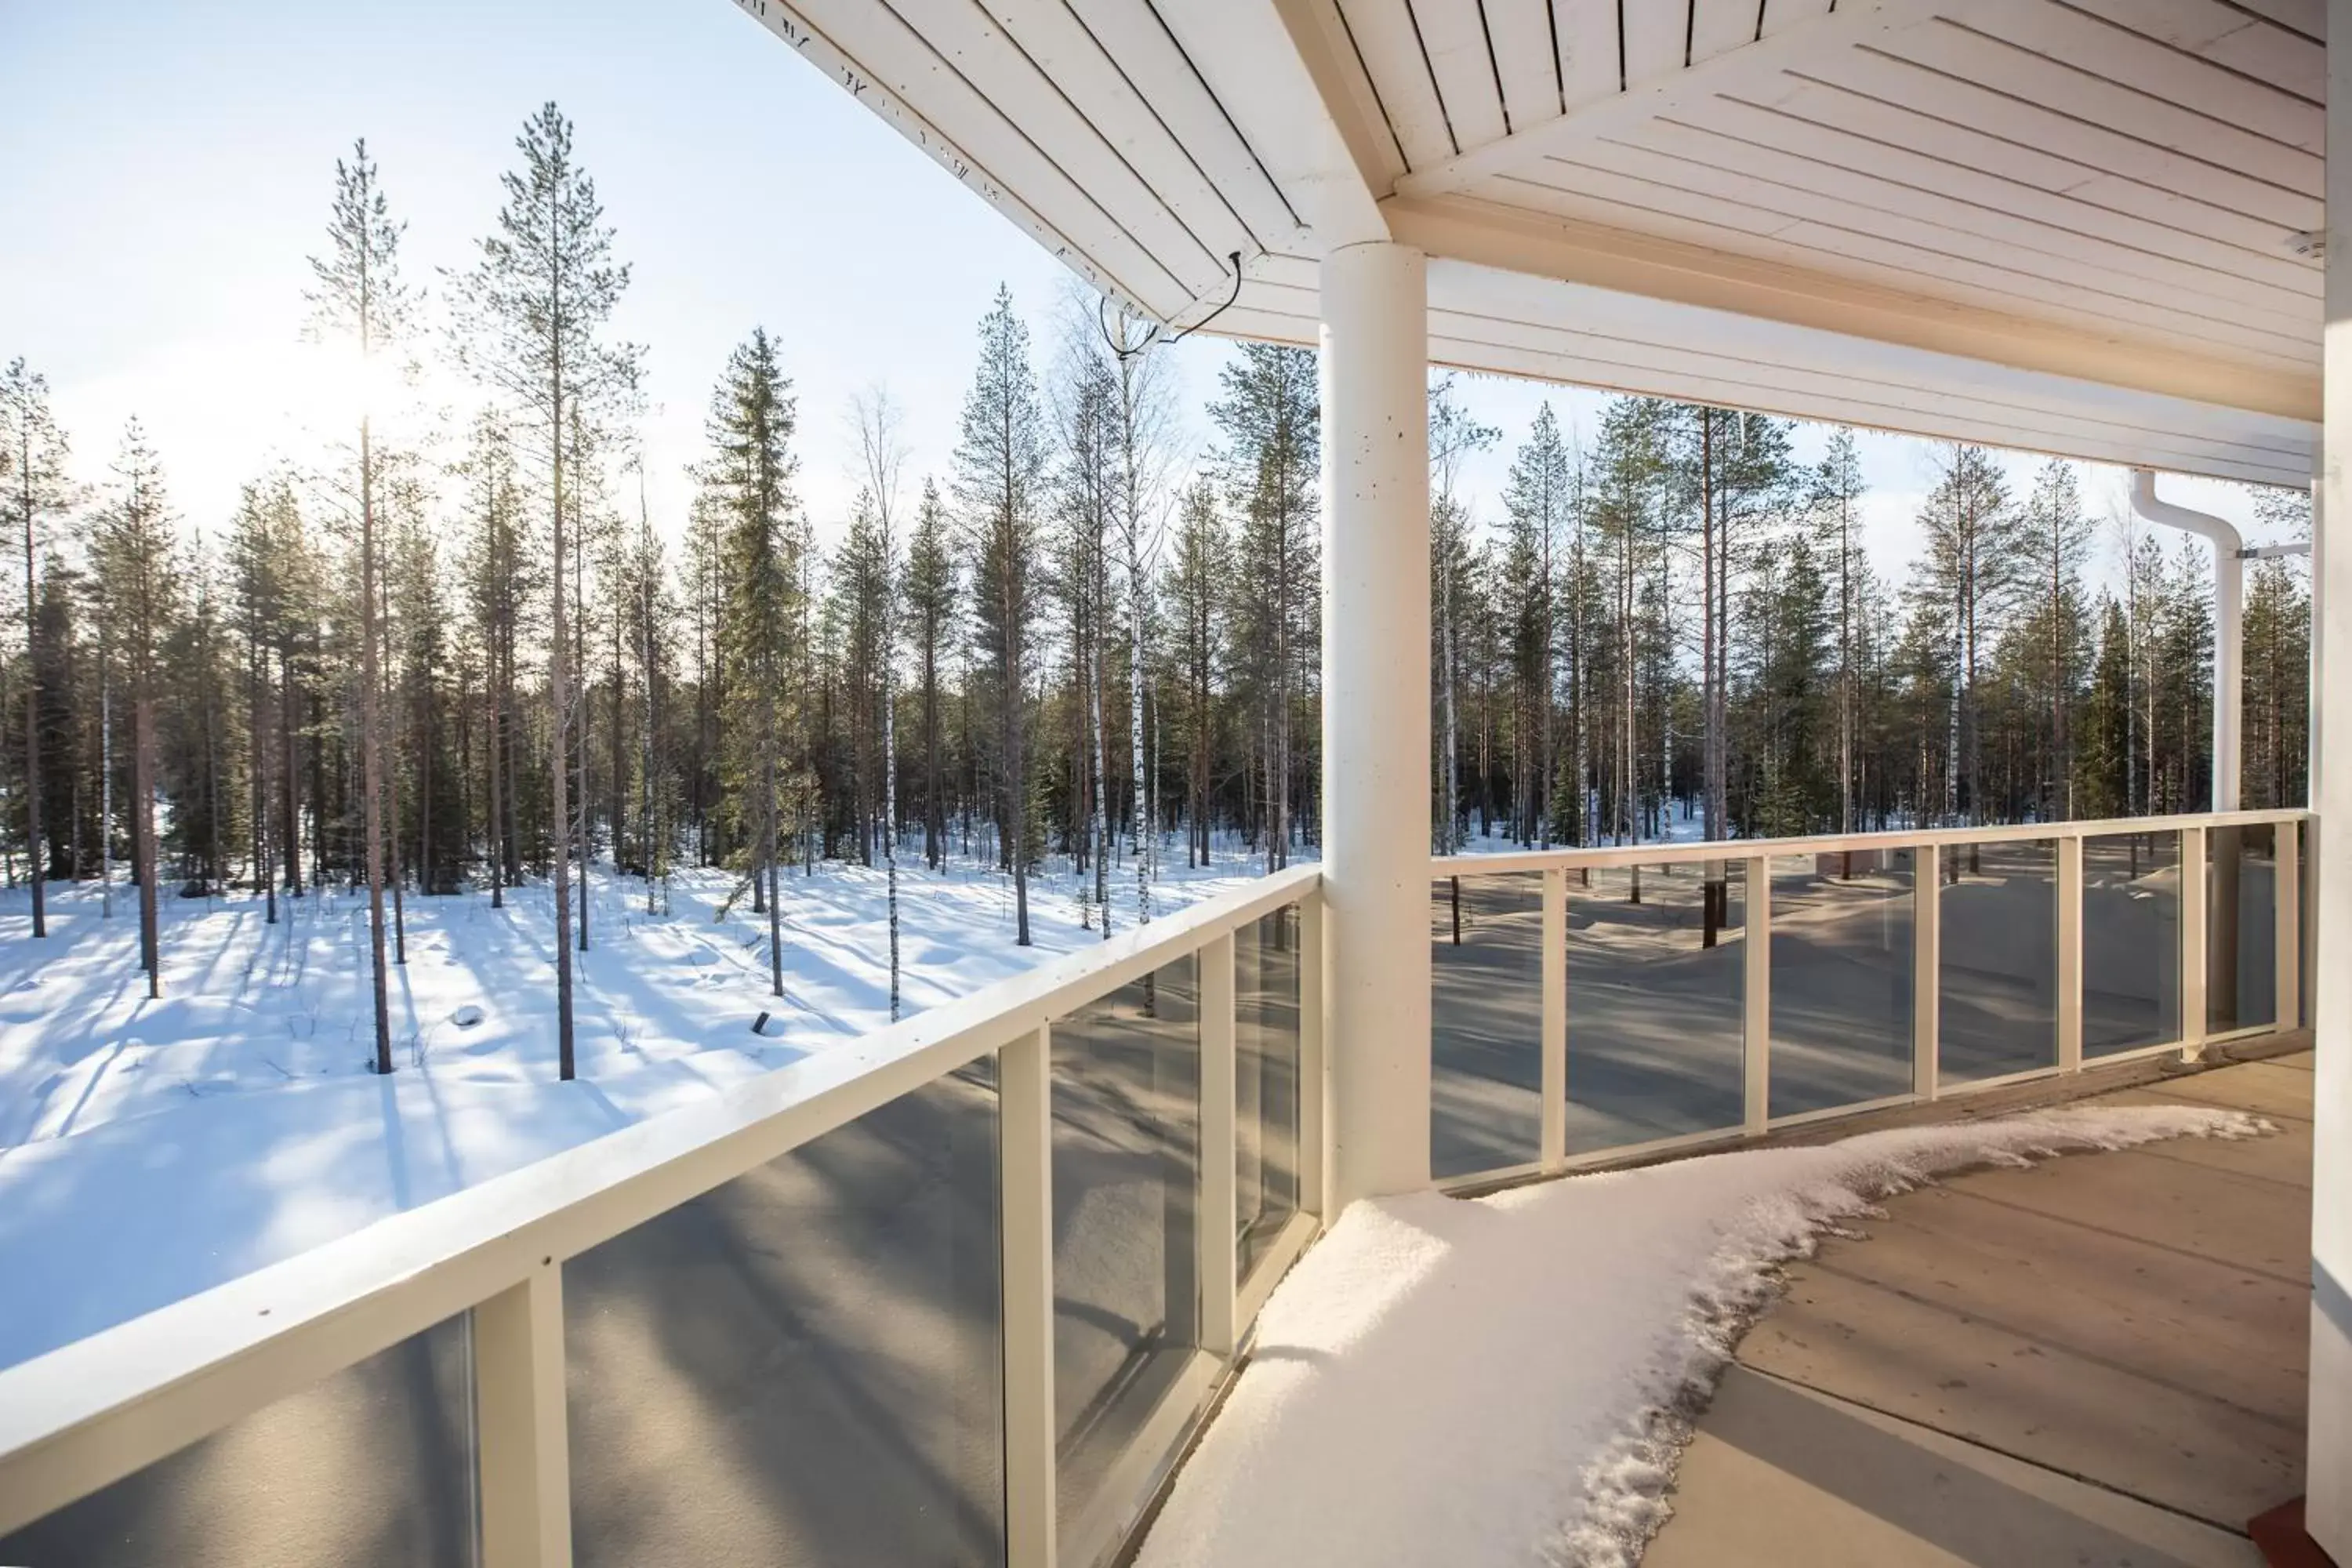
(2194, 953)
(1375, 384)
(519, 1415)
(2070, 954)
(1026, 1199)
(1554, 1076)
(1926, 965)
(1755, 1033)
(2328, 1507)
(1214, 1238)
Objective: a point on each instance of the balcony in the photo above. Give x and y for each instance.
(966, 1293)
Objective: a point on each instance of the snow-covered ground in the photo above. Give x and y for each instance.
(149, 1150)
(1511, 1381)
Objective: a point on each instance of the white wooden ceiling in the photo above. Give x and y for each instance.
(2067, 225)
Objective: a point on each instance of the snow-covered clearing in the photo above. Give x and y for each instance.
(149, 1150)
(1511, 1381)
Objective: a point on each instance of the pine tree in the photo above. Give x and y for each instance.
(931, 607)
(1000, 479)
(532, 316)
(357, 295)
(1270, 419)
(33, 454)
(131, 550)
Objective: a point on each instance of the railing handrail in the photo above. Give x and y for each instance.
(191, 1367)
(1662, 851)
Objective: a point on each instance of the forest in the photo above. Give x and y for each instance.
(413, 665)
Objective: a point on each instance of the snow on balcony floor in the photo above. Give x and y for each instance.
(1511, 1380)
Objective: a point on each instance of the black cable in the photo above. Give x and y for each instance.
(1121, 352)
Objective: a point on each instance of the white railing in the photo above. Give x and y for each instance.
(90, 1414)
(93, 1413)
(1552, 1084)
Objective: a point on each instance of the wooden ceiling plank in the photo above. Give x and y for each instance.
(1657, 35)
(2119, 52)
(1383, 32)
(2308, 18)
(1959, 101)
(1782, 145)
(1589, 50)
(1795, 239)
(1524, 56)
(1453, 35)
(1840, 110)
(2275, 54)
(1052, 36)
(2021, 75)
(2012, 246)
(1134, 36)
(1779, 16)
(1718, 26)
(869, 50)
(980, 51)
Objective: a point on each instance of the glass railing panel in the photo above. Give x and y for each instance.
(1842, 979)
(1126, 1115)
(2241, 928)
(1998, 1010)
(1265, 1082)
(805, 1364)
(371, 1467)
(1486, 1022)
(1655, 1000)
(2131, 940)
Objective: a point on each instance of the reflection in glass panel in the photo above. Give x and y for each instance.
(371, 1467)
(1655, 986)
(2241, 928)
(1842, 963)
(1486, 1022)
(1266, 1081)
(1127, 1113)
(804, 1365)
(2131, 940)
(1998, 1008)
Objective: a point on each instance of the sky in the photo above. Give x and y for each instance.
(167, 172)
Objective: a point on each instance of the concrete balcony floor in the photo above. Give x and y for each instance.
(2098, 1361)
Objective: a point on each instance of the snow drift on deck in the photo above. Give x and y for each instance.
(1512, 1380)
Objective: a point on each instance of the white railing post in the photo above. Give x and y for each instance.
(2286, 908)
(1314, 1077)
(1025, 1202)
(1926, 965)
(519, 1415)
(1757, 1033)
(1554, 1076)
(2192, 943)
(2070, 954)
(1214, 1236)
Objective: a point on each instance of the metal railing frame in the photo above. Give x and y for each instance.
(89, 1414)
(1755, 857)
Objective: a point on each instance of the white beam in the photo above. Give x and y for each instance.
(1375, 376)
(1854, 22)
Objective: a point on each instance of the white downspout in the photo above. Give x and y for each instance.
(2229, 626)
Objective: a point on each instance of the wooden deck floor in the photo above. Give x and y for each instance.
(2098, 1361)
